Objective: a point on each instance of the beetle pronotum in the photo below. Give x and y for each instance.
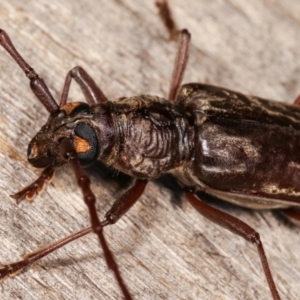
(151, 117)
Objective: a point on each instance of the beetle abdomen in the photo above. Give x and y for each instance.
(250, 158)
(244, 147)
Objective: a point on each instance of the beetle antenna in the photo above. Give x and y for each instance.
(37, 84)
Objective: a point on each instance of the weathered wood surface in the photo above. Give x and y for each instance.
(165, 252)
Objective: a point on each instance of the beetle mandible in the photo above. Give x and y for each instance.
(212, 139)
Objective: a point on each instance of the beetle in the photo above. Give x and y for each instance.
(193, 115)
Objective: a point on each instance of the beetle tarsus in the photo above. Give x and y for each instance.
(37, 187)
(12, 269)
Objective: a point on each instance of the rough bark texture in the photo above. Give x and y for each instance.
(165, 251)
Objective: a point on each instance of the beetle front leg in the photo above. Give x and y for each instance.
(92, 93)
(35, 188)
(238, 227)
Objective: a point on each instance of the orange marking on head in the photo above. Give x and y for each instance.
(68, 108)
(81, 145)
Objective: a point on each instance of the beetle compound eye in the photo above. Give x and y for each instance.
(86, 144)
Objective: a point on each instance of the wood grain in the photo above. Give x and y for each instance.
(165, 251)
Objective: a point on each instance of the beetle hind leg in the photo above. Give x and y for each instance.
(292, 214)
(238, 227)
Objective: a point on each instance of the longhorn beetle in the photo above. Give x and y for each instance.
(210, 138)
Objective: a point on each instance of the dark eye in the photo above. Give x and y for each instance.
(86, 144)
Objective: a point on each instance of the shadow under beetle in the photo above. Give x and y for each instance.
(211, 139)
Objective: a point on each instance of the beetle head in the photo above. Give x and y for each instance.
(70, 122)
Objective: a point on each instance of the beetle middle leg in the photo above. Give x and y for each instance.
(238, 227)
(118, 209)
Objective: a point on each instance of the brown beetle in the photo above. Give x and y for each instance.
(164, 118)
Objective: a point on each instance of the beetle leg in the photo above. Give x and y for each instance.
(292, 214)
(125, 202)
(13, 269)
(167, 18)
(83, 182)
(118, 209)
(91, 91)
(238, 227)
(180, 64)
(35, 188)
